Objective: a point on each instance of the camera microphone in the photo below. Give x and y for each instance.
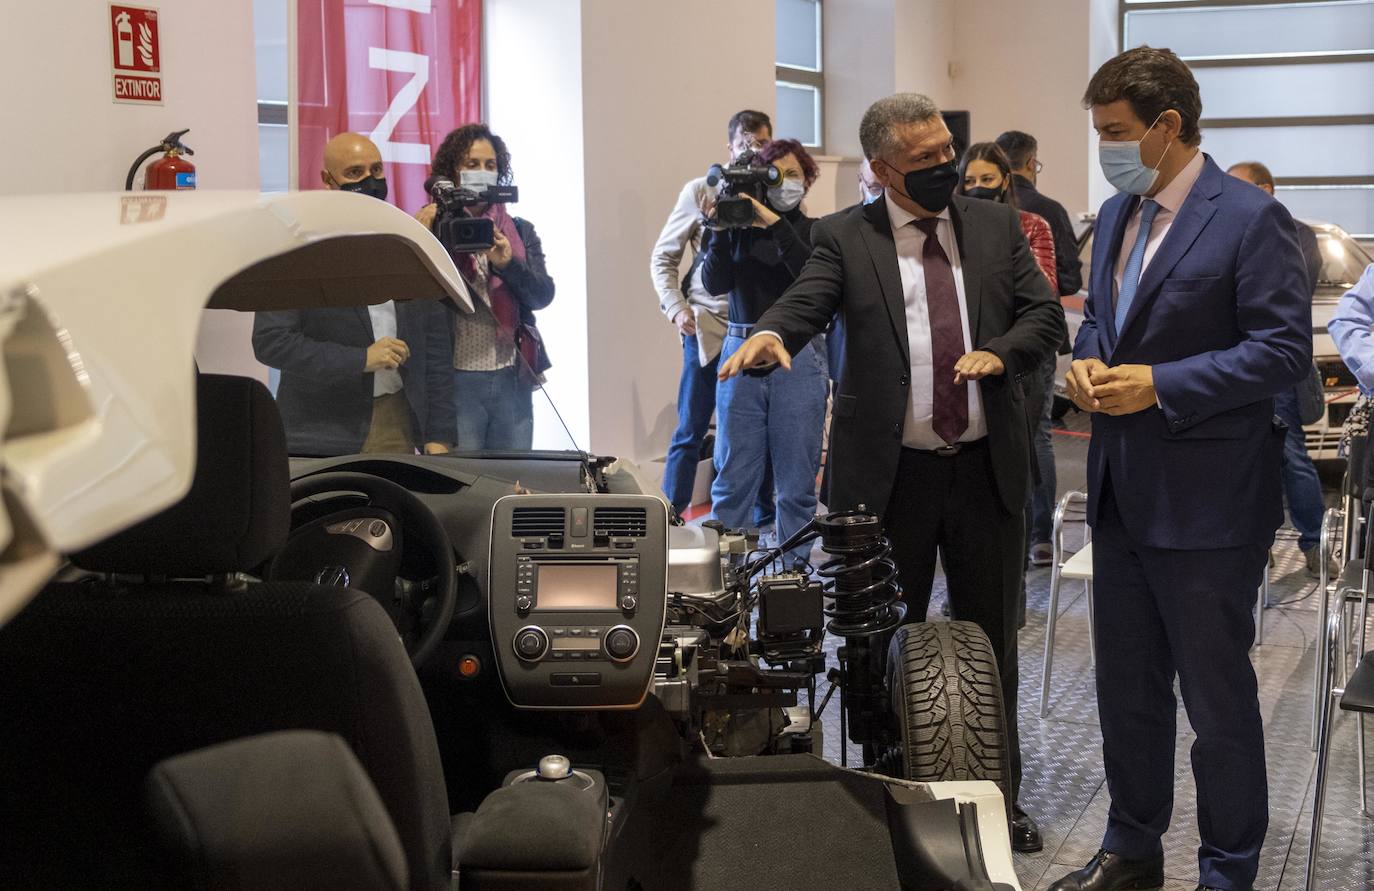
(439, 187)
(714, 174)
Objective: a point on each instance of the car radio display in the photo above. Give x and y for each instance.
(576, 586)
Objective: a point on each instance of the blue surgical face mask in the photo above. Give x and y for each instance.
(1124, 169)
(786, 195)
(868, 197)
(477, 180)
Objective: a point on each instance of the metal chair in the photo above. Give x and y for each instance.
(1355, 694)
(1078, 567)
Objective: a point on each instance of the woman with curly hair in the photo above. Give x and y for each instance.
(498, 357)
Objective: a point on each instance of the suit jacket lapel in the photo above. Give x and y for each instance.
(365, 318)
(973, 284)
(882, 249)
(1192, 218)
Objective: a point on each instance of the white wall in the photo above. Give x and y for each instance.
(66, 134)
(534, 99)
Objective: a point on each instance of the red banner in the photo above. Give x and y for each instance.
(403, 72)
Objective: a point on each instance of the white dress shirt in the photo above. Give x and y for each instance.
(383, 315)
(1170, 200)
(918, 430)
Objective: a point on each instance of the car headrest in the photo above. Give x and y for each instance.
(286, 810)
(238, 512)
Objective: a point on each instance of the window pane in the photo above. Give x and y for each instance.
(1308, 27)
(1350, 207)
(274, 165)
(1262, 91)
(269, 43)
(1296, 151)
(798, 34)
(799, 114)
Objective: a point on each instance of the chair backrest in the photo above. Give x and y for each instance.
(102, 679)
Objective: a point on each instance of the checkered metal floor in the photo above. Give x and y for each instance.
(1064, 787)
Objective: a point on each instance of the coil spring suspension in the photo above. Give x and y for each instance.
(865, 599)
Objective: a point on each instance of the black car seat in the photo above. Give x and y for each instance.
(170, 651)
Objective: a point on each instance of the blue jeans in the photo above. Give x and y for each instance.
(696, 402)
(1301, 486)
(495, 410)
(1040, 505)
(777, 417)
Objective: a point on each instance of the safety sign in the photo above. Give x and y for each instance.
(136, 54)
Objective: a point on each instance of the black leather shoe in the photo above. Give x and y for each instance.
(1112, 872)
(1025, 835)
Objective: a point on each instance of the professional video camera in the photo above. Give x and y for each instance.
(455, 229)
(738, 183)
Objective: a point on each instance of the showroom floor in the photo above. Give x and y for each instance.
(1064, 789)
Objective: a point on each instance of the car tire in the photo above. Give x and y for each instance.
(947, 695)
(1060, 408)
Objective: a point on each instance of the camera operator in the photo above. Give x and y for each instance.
(700, 321)
(498, 357)
(777, 417)
(353, 379)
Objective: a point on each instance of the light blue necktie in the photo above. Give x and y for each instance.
(1130, 278)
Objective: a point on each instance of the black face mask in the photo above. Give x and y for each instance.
(932, 187)
(986, 194)
(375, 186)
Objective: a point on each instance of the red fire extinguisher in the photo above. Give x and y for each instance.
(171, 171)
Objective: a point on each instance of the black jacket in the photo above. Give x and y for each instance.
(325, 397)
(755, 266)
(529, 281)
(853, 270)
(1066, 261)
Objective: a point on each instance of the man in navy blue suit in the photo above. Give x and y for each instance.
(1197, 317)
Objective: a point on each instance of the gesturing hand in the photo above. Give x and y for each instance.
(977, 365)
(759, 351)
(500, 253)
(387, 354)
(1123, 389)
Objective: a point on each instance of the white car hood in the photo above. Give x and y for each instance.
(100, 304)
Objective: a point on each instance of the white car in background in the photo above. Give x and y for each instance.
(1343, 260)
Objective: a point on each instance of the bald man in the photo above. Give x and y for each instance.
(376, 379)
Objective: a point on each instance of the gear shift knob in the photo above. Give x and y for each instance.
(554, 767)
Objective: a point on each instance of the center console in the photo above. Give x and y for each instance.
(576, 596)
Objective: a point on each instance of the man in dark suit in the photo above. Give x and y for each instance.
(943, 309)
(350, 381)
(1197, 316)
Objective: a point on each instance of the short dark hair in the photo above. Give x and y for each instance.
(1258, 173)
(750, 121)
(993, 154)
(1153, 81)
(780, 148)
(1020, 148)
(455, 148)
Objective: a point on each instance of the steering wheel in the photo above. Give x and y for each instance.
(361, 547)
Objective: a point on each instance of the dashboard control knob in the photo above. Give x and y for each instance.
(622, 643)
(524, 603)
(531, 643)
(629, 602)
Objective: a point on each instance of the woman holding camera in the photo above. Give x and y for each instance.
(778, 416)
(498, 357)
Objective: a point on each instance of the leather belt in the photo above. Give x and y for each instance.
(736, 330)
(949, 451)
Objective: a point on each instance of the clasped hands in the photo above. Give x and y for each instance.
(1116, 390)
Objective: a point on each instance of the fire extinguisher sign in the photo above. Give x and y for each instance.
(135, 54)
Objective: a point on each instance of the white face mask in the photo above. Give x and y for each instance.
(477, 180)
(1123, 167)
(786, 195)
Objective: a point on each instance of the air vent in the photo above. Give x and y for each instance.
(631, 522)
(536, 522)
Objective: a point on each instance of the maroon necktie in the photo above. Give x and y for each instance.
(950, 416)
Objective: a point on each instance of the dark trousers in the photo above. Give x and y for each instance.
(1163, 612)
(696, 402)
(949, 505)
